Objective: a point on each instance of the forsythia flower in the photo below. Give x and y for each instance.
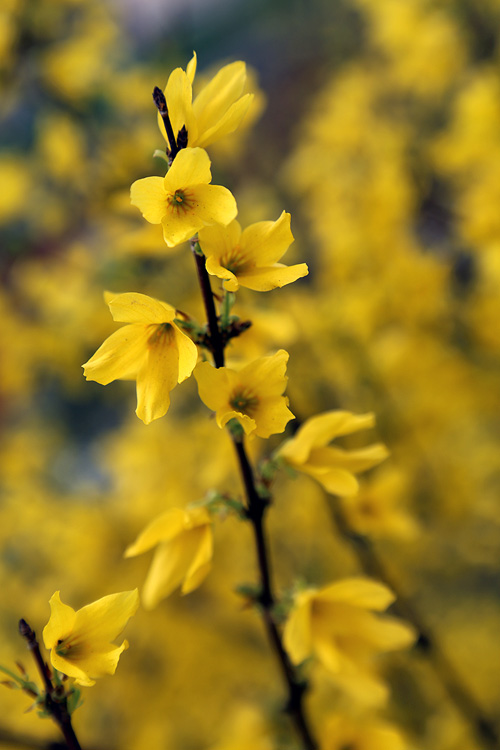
(337, 624)
(334, 468)
(151, 350)
(250, 258)
(184, 555)
(183, 201)
(253, 395)
(341, 732)
(218, 109)
(80, 642)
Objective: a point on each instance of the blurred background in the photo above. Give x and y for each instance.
(376, 123)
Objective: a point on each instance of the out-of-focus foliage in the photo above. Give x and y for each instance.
(391, 177)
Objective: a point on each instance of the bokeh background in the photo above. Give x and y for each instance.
(376, 123)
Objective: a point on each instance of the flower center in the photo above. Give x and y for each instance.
(235, 260)
(244, 401)
(160, 334)
(67, 647)
(180, 202)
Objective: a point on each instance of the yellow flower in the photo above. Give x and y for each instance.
(218, 109)
(183, 201)
(253, 395)
(151, 350)
(334, 468)
(250, 258)
(184, 554)
(80, 642)
(338, 626)
(341, 732)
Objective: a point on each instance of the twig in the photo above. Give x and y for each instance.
(55, 703)
(256, 507)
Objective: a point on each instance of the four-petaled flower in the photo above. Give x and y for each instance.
(334, 468)
(183, 201)
(151, 350)
(184, 554)
(338, 625)
(80, 642)
(252, 395)
(250, 258)
(218, 109)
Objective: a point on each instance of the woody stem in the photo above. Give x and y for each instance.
(256, 507)
(55, 703)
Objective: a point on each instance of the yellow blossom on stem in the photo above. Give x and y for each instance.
(80, 642)
(151, 350)
(252, 395)
(183, 201)
(184, 554)
(334, 468)
(250, 258)
(338, 625)
(217, 110)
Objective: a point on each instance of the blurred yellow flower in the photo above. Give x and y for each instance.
(250, 258)
(341, 732)
(337, 625)
(218, 109)
(183, 201)
(252, 395)
(334, 468)
(151, 350)
(184, 554)
(80, 642)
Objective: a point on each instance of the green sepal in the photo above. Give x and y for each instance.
(73, 699)
(159, 154)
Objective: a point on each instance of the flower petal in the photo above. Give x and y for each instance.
(228, 123)
(161, 529)
(201, 563)
(120, 356)
(358, 592)
(297, 635)
(263, 279)
(188, 353)
(101, 621)
(61, 621)
(219, 94)
(157, 377)
(191, 166)
(150, 197)
(133, 307)
(179, 94)
(268, 241)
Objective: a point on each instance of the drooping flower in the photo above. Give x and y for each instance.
(151, 350)
(217, 110)
(184, 554)
(183, 201)
(250, 258)
(252, 395)
(80, 642)
(338, 626)
(334, 468)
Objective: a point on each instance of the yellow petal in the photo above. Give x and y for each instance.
(122, 354)
(133, 307)
(358, 592)
(149, 195)
(201, 563)
(272, 417)
(219, 94)
(321, 429)
(178, 93)
(103, 620)
(268, 241)
(219, 241)
(61, 621)
(188, 353)
(214, 385)
(161, 529)
(157, 377)
(69, 668)
(266, 375)
(191, 67)
(99, 663)
(191, 166)
(266, 278)
(354, 461)
(214, 204)
(336, 481)
(228, 123)
(297, 635)
(225, 414)
(214, 268)
(170, 565)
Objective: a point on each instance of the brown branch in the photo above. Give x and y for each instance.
(256, 507)
(55, 703)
